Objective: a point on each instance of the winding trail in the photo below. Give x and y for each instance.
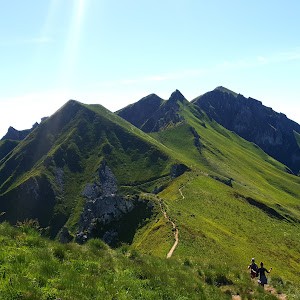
(174, 229)
(181, 192)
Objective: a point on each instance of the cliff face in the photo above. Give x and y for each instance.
(247, 117)
(109, 215)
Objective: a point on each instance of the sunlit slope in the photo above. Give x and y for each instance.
(44, 176)
(235, 203)
(217, 227)
(229, 158)
(35, 268)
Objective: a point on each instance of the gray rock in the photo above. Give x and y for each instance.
(59, 178)
(103, 208)
(81, 237)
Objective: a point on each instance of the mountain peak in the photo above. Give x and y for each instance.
(18, 135)
(225, 90)
(176, 95)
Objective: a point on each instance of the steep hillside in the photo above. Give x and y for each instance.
(35, 268)
(6, 146)
(86, 172)
(247, 117)
(139, 112)
(73, 163)
(234, 195)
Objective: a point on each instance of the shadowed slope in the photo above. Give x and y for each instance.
(152, 114)
(247, 117)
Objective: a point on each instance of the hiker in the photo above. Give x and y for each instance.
(253, 268)
(262, 276)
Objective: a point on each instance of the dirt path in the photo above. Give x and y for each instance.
(268, 288)
(273, 291)
(174, 229)
(181, 192)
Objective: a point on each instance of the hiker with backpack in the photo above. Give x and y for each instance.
(262, 275)
(253, 269)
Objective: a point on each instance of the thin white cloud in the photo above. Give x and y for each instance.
(177, 75)
(41, 40)
(273, 58)
(226, 65)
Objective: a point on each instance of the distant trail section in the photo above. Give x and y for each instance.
(180, 191)
(174, 229)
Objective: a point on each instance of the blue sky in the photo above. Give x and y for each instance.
(116, 52)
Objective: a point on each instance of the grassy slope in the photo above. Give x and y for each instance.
(86, 131)
(36, 268)
(217, 227)
(219, 232)
(76, 139)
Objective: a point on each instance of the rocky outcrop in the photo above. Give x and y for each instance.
(177, 96)
(108, 215)
(59, 178)
(177, 170)
(152, 114)
(247, 117)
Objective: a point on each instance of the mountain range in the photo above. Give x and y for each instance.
(222, 167)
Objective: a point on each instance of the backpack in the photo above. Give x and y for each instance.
(255, 268)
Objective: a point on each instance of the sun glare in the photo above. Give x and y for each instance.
(72, 41)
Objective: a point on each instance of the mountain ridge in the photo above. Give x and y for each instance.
(273, 132)
(250, 119)
(87, 173)
(68, 147)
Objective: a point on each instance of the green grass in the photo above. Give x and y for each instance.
(238, 203)
(33, 267)
(217, 225)
(74, 141)
(36, 268)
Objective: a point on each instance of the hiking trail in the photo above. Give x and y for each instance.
(273, 291)
(174, 229)
(268, 288)
(181, 192)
